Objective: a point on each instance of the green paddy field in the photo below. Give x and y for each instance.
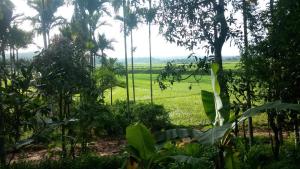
(183, 102)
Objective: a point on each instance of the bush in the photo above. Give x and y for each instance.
(153, 116)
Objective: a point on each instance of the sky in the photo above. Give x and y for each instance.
(160, 47)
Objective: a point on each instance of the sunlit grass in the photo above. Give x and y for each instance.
(184, 103)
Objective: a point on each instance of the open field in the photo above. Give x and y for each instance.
(184, 104)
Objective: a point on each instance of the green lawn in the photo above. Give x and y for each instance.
(183, 103)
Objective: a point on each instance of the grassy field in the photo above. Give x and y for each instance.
(184, 104)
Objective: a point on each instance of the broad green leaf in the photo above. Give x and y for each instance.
(208, 104)
(173, 134)
(214, 134)
(278, 105)
(140, 138)
(23, 143)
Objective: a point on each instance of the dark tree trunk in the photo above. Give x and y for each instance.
(296, 127)
(276, 145)
(236, 127)
(2, 137)
(221, 160)
(111, 96)
(220, 38)
(61, 117)
(248, 86)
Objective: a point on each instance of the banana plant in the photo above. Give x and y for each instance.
(143, 152)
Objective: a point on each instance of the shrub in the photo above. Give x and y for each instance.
(153, 116)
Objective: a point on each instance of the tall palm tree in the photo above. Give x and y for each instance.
(117, 5)
(149, 18)
(132, 23)
(45, 19)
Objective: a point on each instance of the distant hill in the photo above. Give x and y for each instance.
(141, 60)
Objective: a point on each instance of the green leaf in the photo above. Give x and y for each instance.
(278, 105)
(213, 135)
(188, 159)
(140, 138)
(208, 104)
(232, 160)
(172, 134)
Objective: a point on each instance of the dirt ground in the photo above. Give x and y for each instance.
(101, 147)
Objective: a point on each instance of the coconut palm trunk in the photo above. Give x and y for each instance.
(125, 53)
(43, 25)
(150, 55)
(132, 66)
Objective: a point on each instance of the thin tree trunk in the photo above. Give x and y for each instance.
(296, 127)
(150, 55)
(132, 67)
(43, 24)
(276, 145)
(2, 136)
(48, 37)
(236, 126)
(125, 52)
(2, 115)
(111, 96)
(248, 99)
(61, 114)
(4, 66)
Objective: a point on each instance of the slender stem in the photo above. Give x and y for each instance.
(125, 52)
(43, 24)
(150, 55)
(248, 85)
(132, 67)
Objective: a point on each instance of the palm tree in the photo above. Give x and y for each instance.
(117, 5)
(149, 18)
(132, 23)
(45, 19)
(104, 44)
(92, 11)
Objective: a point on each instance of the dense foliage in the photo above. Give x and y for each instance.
(57, 100)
